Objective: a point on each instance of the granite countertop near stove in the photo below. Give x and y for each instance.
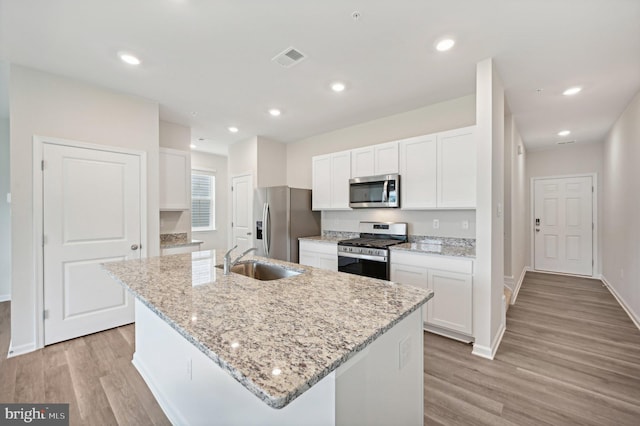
(456, 247)
(306, 326)
(177, 240)
(322, 239)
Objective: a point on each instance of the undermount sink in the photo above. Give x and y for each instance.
(261, 271)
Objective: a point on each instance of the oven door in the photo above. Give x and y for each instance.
(364, 265)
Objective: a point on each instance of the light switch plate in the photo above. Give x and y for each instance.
(8, 198)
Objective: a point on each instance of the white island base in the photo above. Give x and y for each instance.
(381, 385)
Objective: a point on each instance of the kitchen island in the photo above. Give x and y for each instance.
(320, 347)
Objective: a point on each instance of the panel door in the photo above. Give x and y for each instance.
(418, 174)
(386, 158)
(563, 225)
(457, 168)
(452, 304)
(413, 275)
(340, 175)
(242, 211)
(91, 215)
(362, 162)
(321, 182)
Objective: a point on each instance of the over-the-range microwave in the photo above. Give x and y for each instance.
(374, 192)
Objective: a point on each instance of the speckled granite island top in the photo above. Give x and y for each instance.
(278, 338)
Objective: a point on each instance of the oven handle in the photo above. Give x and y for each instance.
(363, 256)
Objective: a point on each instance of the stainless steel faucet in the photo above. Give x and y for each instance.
(228, 264)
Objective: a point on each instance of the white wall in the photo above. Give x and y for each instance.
(565, 160)
(446, 115)
(272, 163)
(217, 239)
(5, 214)
(243, 158)
(178, 137)
(48, 105)
(419, 222)
(488, 284)
(621, 230)
(518, 212)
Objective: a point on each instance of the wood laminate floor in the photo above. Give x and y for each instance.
(570, 355)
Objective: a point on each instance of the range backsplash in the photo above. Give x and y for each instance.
(420, 222)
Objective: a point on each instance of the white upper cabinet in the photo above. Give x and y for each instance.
(438, 171)
(331, 173)
(175, 179)
(457, 169)
(418, 173)
(386, 158)
(375, 160)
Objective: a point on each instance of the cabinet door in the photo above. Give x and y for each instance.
(412, 275)
(175, 179)
(457, 168)
(362, 162)
(321, 182)
(340, 175)
(327, 261)
(309, 259)
(418, 173)
(452, 304)
(386, 158)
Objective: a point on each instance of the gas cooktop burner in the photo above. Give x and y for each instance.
(370, 242)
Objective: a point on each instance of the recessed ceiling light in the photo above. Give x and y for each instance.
(572, 91)
(445, 44)
(129, 58)
(193, 145)
(337, 86)
(564, 133)
(275, 112)
(233, 129)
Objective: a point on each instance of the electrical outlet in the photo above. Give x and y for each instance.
(465, 224)
(8, 198)
(404, 352)
(189, 369)
(436, 224)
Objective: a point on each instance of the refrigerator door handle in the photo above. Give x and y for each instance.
(266, 230)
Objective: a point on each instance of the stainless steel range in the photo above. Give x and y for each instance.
(369, 254)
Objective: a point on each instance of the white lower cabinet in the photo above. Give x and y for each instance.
(319, 254)
(179, 250)
(450, 312)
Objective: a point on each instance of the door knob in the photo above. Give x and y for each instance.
(248, 233)
(134, 247)
(537, 229)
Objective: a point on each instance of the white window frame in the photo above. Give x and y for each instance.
(212, 200)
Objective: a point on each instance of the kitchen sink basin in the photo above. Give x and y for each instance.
(261, 271)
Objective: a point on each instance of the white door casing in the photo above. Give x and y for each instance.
(91, 215)
(242, 211)
(563, 225)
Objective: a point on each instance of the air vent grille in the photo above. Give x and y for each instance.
(565, 142)
(289, 57)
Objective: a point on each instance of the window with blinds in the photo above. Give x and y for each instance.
(203, 189)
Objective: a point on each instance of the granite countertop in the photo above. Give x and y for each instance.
(305, 326)
(177, 240)
(437, 249)
(322, 239)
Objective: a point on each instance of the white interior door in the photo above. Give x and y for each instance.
(91, 215)
(563, 225)
(242, 215)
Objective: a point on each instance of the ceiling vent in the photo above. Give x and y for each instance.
(289, 57)
(565, 142)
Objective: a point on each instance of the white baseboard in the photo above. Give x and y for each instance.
(508, 282)
(174, 417)
(5, 298)
(514, 295)
(634, 317)
(20, 350)
(489, 352)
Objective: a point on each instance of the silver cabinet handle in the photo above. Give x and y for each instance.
(134, 247)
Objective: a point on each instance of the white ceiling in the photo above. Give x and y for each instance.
(214, 58)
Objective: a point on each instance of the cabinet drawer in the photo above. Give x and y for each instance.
(443, 263)
(319, 247)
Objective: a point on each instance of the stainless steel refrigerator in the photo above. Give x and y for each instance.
(281, 216)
